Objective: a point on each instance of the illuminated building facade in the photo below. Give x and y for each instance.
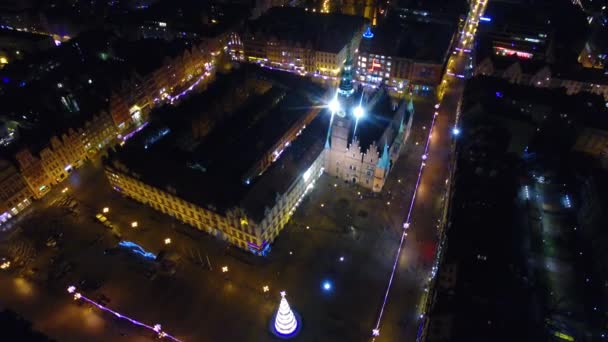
(412, 60)
(366, 133)
(15, 195)
(130, 104)
(516, 31)
(300, 41)
(34, 174)
(210, 185)
(595, 51)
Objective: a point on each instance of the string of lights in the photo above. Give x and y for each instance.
(157, 328)
(285, 322)
(406, 225)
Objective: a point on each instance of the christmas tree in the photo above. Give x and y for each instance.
(285, 322)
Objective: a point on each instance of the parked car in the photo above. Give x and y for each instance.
(101, 218)
(51, 242)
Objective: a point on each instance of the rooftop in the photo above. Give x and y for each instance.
(50, 92)
(210, 173)
(433, 8)
(324, 32)
(420, 41)
(379, 115)
(201, 17)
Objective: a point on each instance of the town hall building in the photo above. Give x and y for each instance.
(366, 133)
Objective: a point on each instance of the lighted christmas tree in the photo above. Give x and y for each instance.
(286, 321)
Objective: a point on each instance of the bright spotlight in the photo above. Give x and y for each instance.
(326, 285)
(455, 131)
(358, 112)
(334, 105)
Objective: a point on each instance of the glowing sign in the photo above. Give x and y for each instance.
(510, 52)
(375, 65)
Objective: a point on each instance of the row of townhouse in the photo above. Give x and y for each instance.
(542, 75)
(131, 102)
(41, 169)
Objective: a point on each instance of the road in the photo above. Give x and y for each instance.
(401, 318)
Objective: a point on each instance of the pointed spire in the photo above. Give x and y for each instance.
(285, 322)
(346, 76)
(384, 161)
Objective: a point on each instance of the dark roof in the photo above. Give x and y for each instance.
(212, 174)
(201, 17)
(421, 41)
(379, 115)
(34, 98)
(146, 55)
(447, 8)
(21, 35)
(294, 161)
(325, 32)
(508, 99)
(516, 16)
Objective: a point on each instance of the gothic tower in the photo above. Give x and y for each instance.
(341, 117)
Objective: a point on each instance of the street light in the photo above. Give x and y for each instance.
(167, 241)
(105, 210)
(224, 269)
(358, 112)
(265, 288)
(334, 105)
(134, 224)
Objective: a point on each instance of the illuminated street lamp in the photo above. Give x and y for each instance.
(334, 105)
(105, 210)
(265, 288)
(358, 112)
(224, 269)
(134, 224)
(167, 241)
(64, 190)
